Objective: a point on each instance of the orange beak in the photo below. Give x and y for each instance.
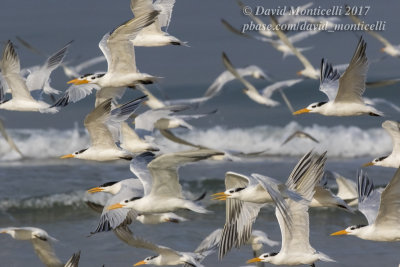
(368, 164)
(139, 263)
(254, 260)
(115, 206)
(78, 81)
(382, 49)
(299, 73)
(301, 111)
(343, 232)
(220, 196)
(67, 156)
(95, 190)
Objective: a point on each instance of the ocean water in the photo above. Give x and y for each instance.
(44, 191)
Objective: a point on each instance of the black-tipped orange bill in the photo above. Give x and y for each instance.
(67, 156)
(95, 190)
(139, 263)
(343, 232)
(254, 260)
(368, 164)
(115, 206)
(301, 111)
(78, 81)
(219, 196)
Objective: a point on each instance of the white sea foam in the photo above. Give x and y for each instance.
(63, 200)
(69, 199)
(42, 144)
(340, 141)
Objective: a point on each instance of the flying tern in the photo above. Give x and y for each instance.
(41, 242)
(11, 79)
(382, 211)
(246, 195)
(296, 248)
(392, 160)
(162, 190)
(103, 147)
(344, 91)
(152, 35)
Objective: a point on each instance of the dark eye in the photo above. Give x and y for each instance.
(93, 78)
(126, 201)
(231, 191)
(314, 106)
(352, 228)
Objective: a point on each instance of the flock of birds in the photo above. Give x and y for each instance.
(155, 193)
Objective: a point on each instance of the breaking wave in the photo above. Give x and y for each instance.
(340, 141)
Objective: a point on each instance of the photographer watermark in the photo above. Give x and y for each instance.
(316, 19)
(299, 11)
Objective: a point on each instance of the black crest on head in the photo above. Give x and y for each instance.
(86, 75)
(108, 184)
(135, 198)
(81, 151)
(381, 158)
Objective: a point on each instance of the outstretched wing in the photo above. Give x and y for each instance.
(352, 82)
(329, 80)
(368, 197)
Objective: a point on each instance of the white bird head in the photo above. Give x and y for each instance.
(230, 193)
(127, 203)
(312, 108)
(375, 162)
(87, 78)
(148, 260)
(266, 257)
(351, 230)
(74, 155)
(109, 187)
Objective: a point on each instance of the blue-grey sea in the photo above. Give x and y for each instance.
(44, 191)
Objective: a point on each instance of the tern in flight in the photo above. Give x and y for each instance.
(344, 91)
(382, 210)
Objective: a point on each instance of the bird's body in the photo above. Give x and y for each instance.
(323, 197)
(347, 109)
(132, 142)
(158, 218)
(120, 79)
